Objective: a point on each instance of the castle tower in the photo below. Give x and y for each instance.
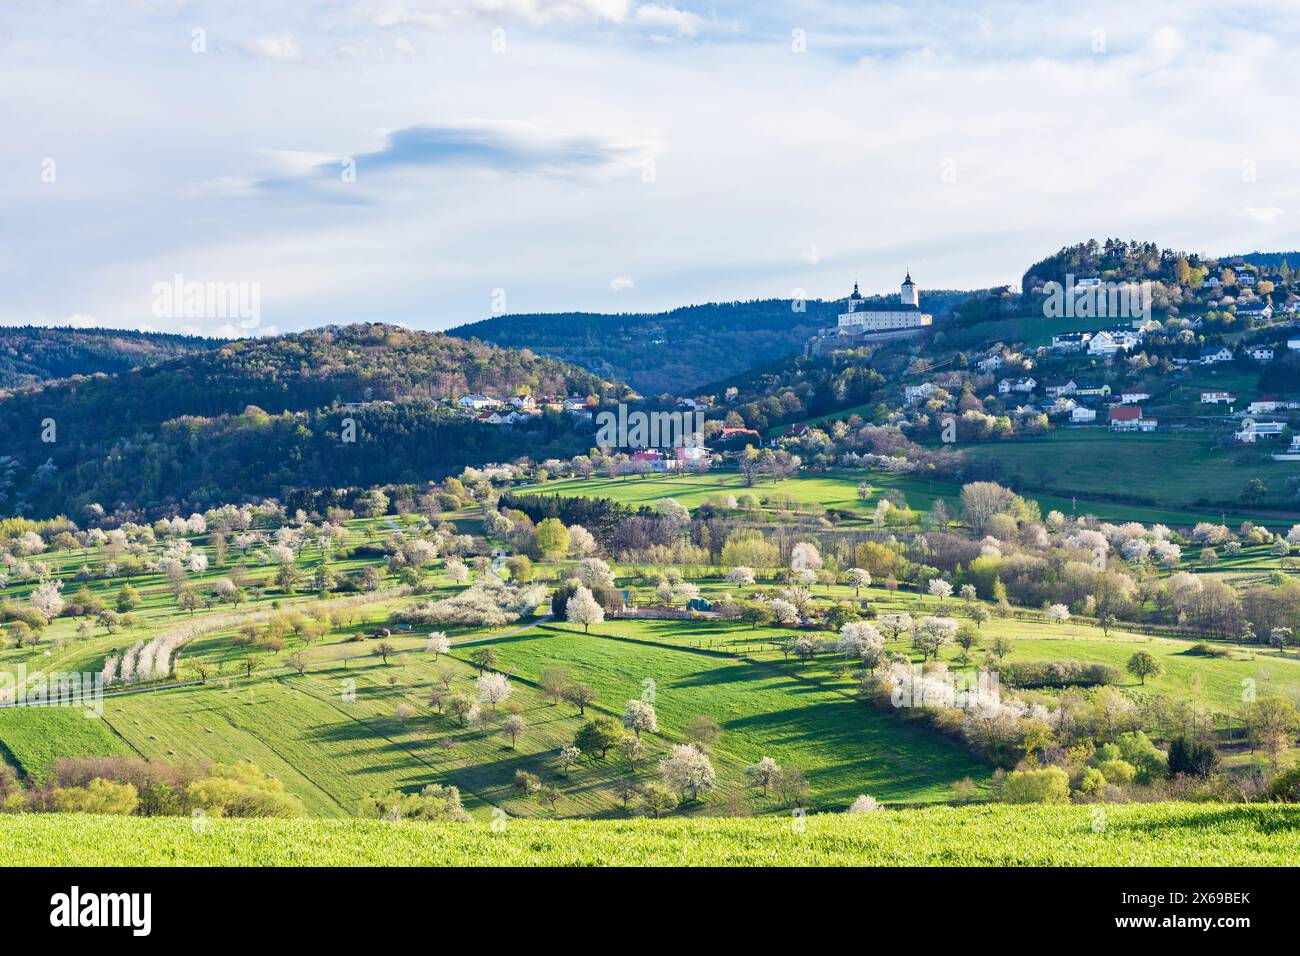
(909, 296)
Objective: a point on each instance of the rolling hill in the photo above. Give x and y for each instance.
(30, 355)
(681, 349)
(259, 416)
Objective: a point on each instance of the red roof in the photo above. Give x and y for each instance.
(1125, 413)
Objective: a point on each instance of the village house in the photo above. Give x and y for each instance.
(1101, 390)
(1292, 453)
(1070, 341)
(1056, 387)
(1133, 395)
(1021, 385)
(476, 402)
(1261, 354)
(1109, 341)
(1217, 398)
(990, 363)
(1255, 310)
(1271, 405)
(912, 394)
(1215, 356)
(1253, 431)
(1081, 414)
(1128, 418)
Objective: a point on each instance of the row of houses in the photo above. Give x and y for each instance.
(495, 411)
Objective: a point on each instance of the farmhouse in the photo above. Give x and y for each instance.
(1133, 395)
(1214, 356)
(990, 363)
(1082, 413)
(1261, 354)
(475, 402)
(1217, 398)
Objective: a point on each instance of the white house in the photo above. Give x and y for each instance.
(1022, 385)
(1271, 406)
(1293, 344)
(1070, 341)
(1056, 387)
(1292, 453)
(1215, 356)
(475, 402)
(1261, 354)
(1259, 310)
(1110, 341)
(1256, 430)
(990, 363)
(1082, 413)
(917, 393)
(1131, 396)
(1245, 279)
(1217, 398)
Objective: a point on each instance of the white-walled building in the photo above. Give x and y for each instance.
(860, 318)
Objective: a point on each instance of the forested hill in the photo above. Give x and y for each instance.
(673, 352)
(30, 355)
(259, 416)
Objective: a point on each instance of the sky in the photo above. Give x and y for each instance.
(435, 162)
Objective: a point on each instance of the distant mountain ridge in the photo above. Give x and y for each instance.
(31, 355)
(679, 350)
(257, 417)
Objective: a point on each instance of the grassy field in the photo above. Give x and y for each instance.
(1124, 835)
(766, 708)
(1172, 470)
(1023, 459)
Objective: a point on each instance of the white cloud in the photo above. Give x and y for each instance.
(283, 47)
(532, 179)
(658, 15)
(1262, 214)
(621, 284)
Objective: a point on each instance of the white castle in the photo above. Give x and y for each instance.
(859, 319)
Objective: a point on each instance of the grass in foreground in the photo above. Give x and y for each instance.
(990, 835)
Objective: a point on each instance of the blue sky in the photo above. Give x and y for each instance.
(612, 155)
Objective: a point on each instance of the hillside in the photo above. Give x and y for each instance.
(255, 417)
(30, 355)
(678, 350)
(1134, 835)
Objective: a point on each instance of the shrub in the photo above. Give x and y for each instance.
(1092, 781)
(1118, 771)
(1065, 673)
(1286, 786)
(1048, 785)
(98, 796)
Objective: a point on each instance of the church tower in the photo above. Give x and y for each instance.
(909, 296)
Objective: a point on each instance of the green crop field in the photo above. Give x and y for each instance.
(1107, 470)
(765, 709)
(1168, 834)
(1170, 471)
